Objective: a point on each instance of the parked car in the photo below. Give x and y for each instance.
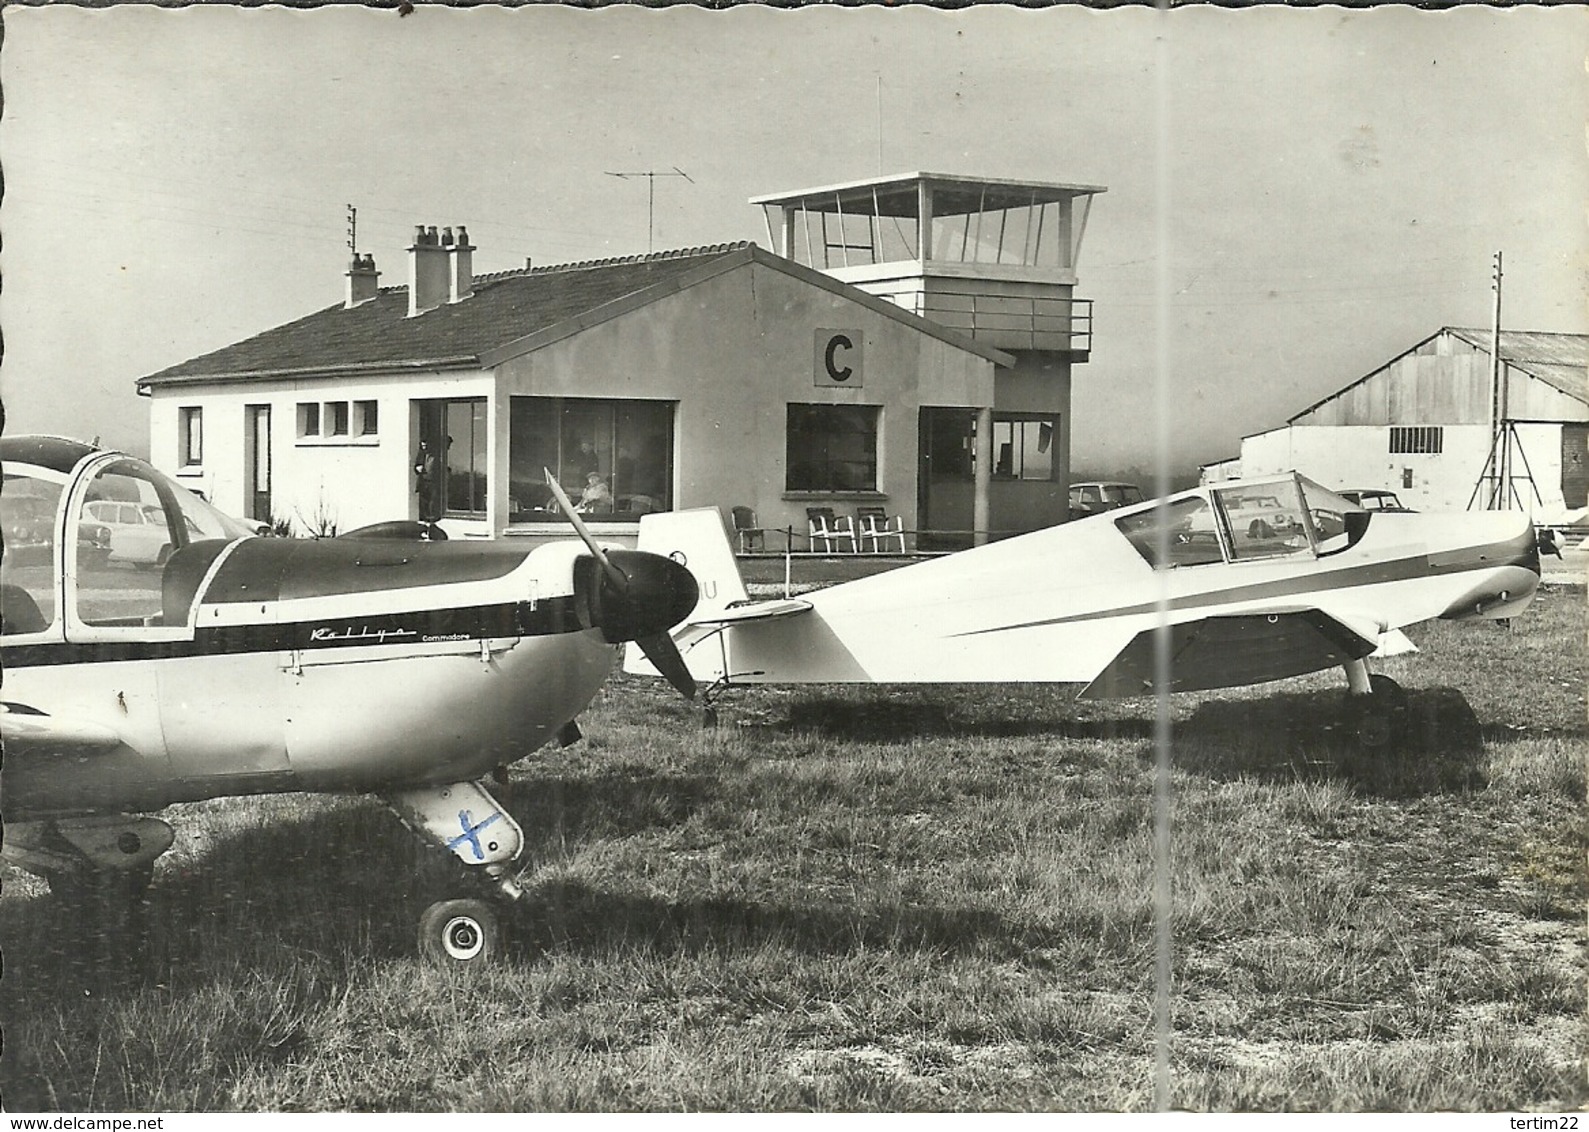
(1373, 499)
(1094, 497)
(138, 532)
(1262, 516)
(28, 522)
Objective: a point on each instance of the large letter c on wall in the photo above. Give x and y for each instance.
(835, 344)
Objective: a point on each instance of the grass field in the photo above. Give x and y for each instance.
(891, 899)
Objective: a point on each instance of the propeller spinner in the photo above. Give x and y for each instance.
(633, 595)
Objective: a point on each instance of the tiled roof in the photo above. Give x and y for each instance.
(1559, 360)
(378, 334)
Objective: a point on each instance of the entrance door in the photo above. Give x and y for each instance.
(256, 444)
(1575, 465)
(945, 484)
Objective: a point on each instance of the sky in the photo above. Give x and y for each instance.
(1294, 196)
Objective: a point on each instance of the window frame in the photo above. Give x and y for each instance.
(824, 484)
(544, 431)
(1416, 440)
(1015, 423)
(190, 436)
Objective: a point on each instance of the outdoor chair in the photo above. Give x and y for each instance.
(749, 536)
(878, 530)
(827, 531)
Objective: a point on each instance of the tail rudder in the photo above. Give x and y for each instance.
(696, 539)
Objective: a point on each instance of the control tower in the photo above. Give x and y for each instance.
(991, 258)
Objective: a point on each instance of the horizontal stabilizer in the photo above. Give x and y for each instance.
(756, 611)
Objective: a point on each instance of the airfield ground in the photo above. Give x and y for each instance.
(890, 899)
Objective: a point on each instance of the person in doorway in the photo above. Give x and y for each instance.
(426, 472)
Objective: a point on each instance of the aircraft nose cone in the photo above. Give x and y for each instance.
(658, 595)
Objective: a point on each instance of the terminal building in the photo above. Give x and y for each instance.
(906, 346)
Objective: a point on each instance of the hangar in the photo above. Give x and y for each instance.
(1424, 425)
(905, 319)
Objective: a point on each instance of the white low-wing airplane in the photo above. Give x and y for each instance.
(1255, 580)
(221, 664)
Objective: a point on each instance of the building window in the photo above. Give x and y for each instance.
(626, 445)
(190, 435)
(450, 468)
(308, 418)
(367, 414)
(1420, 440)
(832, 448)
(336, 416)
(1023, 448)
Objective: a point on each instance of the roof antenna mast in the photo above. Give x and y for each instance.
(651, 176)
(353, 231)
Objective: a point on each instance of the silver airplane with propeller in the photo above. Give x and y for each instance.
(195, 661)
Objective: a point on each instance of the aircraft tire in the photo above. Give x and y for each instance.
(463, 932)
(1382, 716)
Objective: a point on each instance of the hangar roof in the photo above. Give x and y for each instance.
(1559, 360)
(509, 312)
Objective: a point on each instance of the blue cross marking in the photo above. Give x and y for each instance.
(471, 833)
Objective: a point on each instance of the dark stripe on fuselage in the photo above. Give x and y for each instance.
(394, 631)
(1521, 551)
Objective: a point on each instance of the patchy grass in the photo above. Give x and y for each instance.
(889, 899)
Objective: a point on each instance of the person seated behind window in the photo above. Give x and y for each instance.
(596, 496)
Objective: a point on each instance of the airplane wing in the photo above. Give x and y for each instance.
(26, 731)
(1233, 649)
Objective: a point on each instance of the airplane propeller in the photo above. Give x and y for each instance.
(650, 581)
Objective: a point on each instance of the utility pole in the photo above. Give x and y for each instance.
(651, 176)
(1501, 434)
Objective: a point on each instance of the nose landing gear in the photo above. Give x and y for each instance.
(464, 819)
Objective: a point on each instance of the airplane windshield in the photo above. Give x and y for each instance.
(140, 519)
(1265, 519)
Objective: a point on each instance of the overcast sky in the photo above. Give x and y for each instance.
(1337, 182)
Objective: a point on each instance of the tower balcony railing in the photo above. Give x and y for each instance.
(1015, 322)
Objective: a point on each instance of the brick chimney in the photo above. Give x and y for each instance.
(363, 280)
(460, 274)
(427, 271)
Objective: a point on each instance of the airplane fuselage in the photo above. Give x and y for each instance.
(313, 665)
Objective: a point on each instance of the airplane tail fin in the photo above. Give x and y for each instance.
(696, 539)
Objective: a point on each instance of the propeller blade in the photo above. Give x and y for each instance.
(617, 577)
(664, 656)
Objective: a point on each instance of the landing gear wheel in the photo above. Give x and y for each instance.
(709, 718)
(463, 932)
(1382, 715)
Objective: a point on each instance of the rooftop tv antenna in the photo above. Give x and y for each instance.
(651, 176)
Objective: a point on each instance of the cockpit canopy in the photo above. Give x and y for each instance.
(1271, 518)
(90, 537)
